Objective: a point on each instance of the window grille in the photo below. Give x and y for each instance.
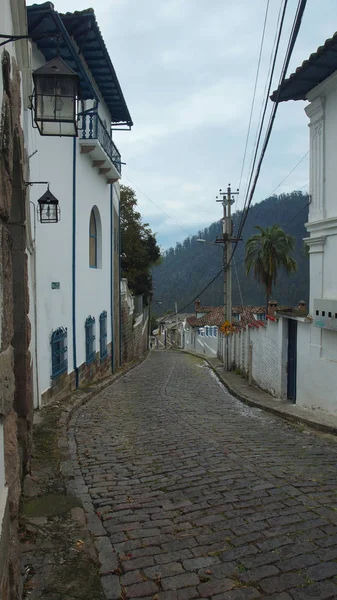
(103, 347)
(59, 351)
(90, 339)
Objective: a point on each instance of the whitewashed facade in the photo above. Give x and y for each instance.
(75, 295)
(316, 81)
(317, 346)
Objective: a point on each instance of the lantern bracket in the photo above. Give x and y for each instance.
(27, 183)
(12, 38)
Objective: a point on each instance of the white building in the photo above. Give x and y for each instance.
(74, 269)
(316, 81)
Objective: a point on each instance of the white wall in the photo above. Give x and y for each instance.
(207, 345)
(53, 162)
(269, 354)
(317, 354)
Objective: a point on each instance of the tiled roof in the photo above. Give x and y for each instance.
(318, 67)
(216, 317)
(55, 33)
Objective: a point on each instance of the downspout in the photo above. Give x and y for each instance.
(32, 252)
(119, 284)
(74, 265)
(112, 281)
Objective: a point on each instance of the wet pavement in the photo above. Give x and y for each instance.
(198, 496)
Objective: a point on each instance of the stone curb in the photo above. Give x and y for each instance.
(75, 484)
(283, 413)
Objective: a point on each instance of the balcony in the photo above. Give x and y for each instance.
(95, 140)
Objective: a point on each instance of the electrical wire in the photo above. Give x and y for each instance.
(265, 105)
(298, 213)
(293, 36)
(254, 92)
(292, 40)
(290, 172)
(157, 206)
(238, 281)
(264, 91)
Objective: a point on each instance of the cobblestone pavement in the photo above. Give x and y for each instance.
(202, 496)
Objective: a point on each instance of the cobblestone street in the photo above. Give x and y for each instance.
(201, 496)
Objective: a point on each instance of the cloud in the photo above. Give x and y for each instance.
(187, 69)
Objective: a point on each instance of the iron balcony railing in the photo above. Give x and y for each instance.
(93, 128)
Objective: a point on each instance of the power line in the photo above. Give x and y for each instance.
(292, 40)
(238, 281)
(254, 92)
(265, 89)
(199, 293)
(299, 212)
(157, 206)
(290, 172)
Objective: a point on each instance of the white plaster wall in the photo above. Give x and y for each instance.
(53, 162)
(317, 349)
(207, 345)
(93, 285)
(53, 250)
(266, 358)
(316, 369)
(330, 151)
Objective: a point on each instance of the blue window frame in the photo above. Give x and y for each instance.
(92, 241)
(103, 335)
(59, 352)
(215, 331)
(90, 337)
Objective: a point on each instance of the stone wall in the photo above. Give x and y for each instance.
(87, 373)
(15, 360)
(135, 334)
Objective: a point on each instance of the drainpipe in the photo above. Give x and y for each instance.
(119, 284)
(74, 265)
(112, 280)
(32, 252)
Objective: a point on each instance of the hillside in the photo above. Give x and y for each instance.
(188, 267)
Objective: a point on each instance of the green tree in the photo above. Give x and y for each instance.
(139, 247)
(267, 252)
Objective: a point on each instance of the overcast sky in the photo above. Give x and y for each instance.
(187, 70)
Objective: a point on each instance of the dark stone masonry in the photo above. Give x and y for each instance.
(191, 494)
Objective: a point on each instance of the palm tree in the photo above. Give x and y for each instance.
(266, 252)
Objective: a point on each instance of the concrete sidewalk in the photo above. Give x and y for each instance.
(254, 396)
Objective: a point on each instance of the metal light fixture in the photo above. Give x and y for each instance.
(48, 208)
(55, 98)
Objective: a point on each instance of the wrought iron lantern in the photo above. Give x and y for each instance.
(55, 98)
(48, 208)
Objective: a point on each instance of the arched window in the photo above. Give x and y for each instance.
(95, 239)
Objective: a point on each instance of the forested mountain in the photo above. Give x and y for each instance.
(187, 268)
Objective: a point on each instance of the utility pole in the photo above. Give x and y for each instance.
(227, 199)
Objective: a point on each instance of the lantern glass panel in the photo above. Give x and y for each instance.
(55, 105)
(49, 212)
